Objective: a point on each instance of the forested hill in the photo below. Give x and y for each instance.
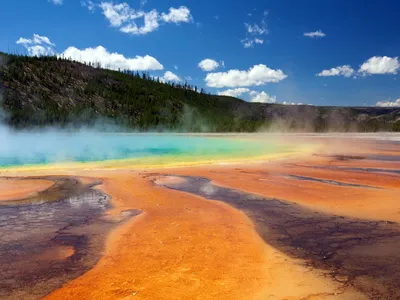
(49, 91)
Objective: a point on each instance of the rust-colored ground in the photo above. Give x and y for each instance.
(185, 247)
(16, 189)
(380, 202)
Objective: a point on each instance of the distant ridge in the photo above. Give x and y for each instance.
(51, 91)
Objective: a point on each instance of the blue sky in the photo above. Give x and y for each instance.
(266, 51)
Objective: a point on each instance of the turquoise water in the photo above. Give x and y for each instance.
(54, 147)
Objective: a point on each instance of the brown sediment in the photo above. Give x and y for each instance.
(14, 189)
(56, 253)
(169, 180)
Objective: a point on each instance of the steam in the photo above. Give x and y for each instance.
(309, 119)
(58, 146)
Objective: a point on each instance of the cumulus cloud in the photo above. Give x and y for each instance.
(117, 14)
(255, 96)
(395, 103)
(256, 75)
(169, 76)
(38, 45)
(380, 65)
(113, 60)
(36, 39)
(56, 2)
(38, 50)
(374, 65)
(42, 46)
(125, 18)
(150, 24)
(261, 97)
(344, 70)
(315, 34)
(234, 92)
(177, 15)
(208, 64)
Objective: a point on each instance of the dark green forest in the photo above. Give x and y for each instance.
(53, 91)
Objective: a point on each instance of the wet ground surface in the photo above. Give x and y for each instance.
(357, 253)
(378, 157)
(50, 238)
(384, 157)
(62, 188)
(334, 182)
(372, 170)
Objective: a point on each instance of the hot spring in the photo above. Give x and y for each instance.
(54, 147)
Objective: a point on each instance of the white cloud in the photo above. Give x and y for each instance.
(112, 61)
(177, 15)
(56, 2)
(123, 17)
(234, 92)
(176, 67)
(395, 103)
(255, 96)
(315, 34)
(42, 46)
(249, 42)
(117, 14)
(374, 65)
(150, 24)
(380, 65)
(169, 76)
(38, 45)
(36, 39)
(261, 97)
(257, 75)
(256, 29)
(291, 103)
(344, 70)
(38, 50)
(24, 41)
(254, 33)
(208, 64)
(89, 4)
